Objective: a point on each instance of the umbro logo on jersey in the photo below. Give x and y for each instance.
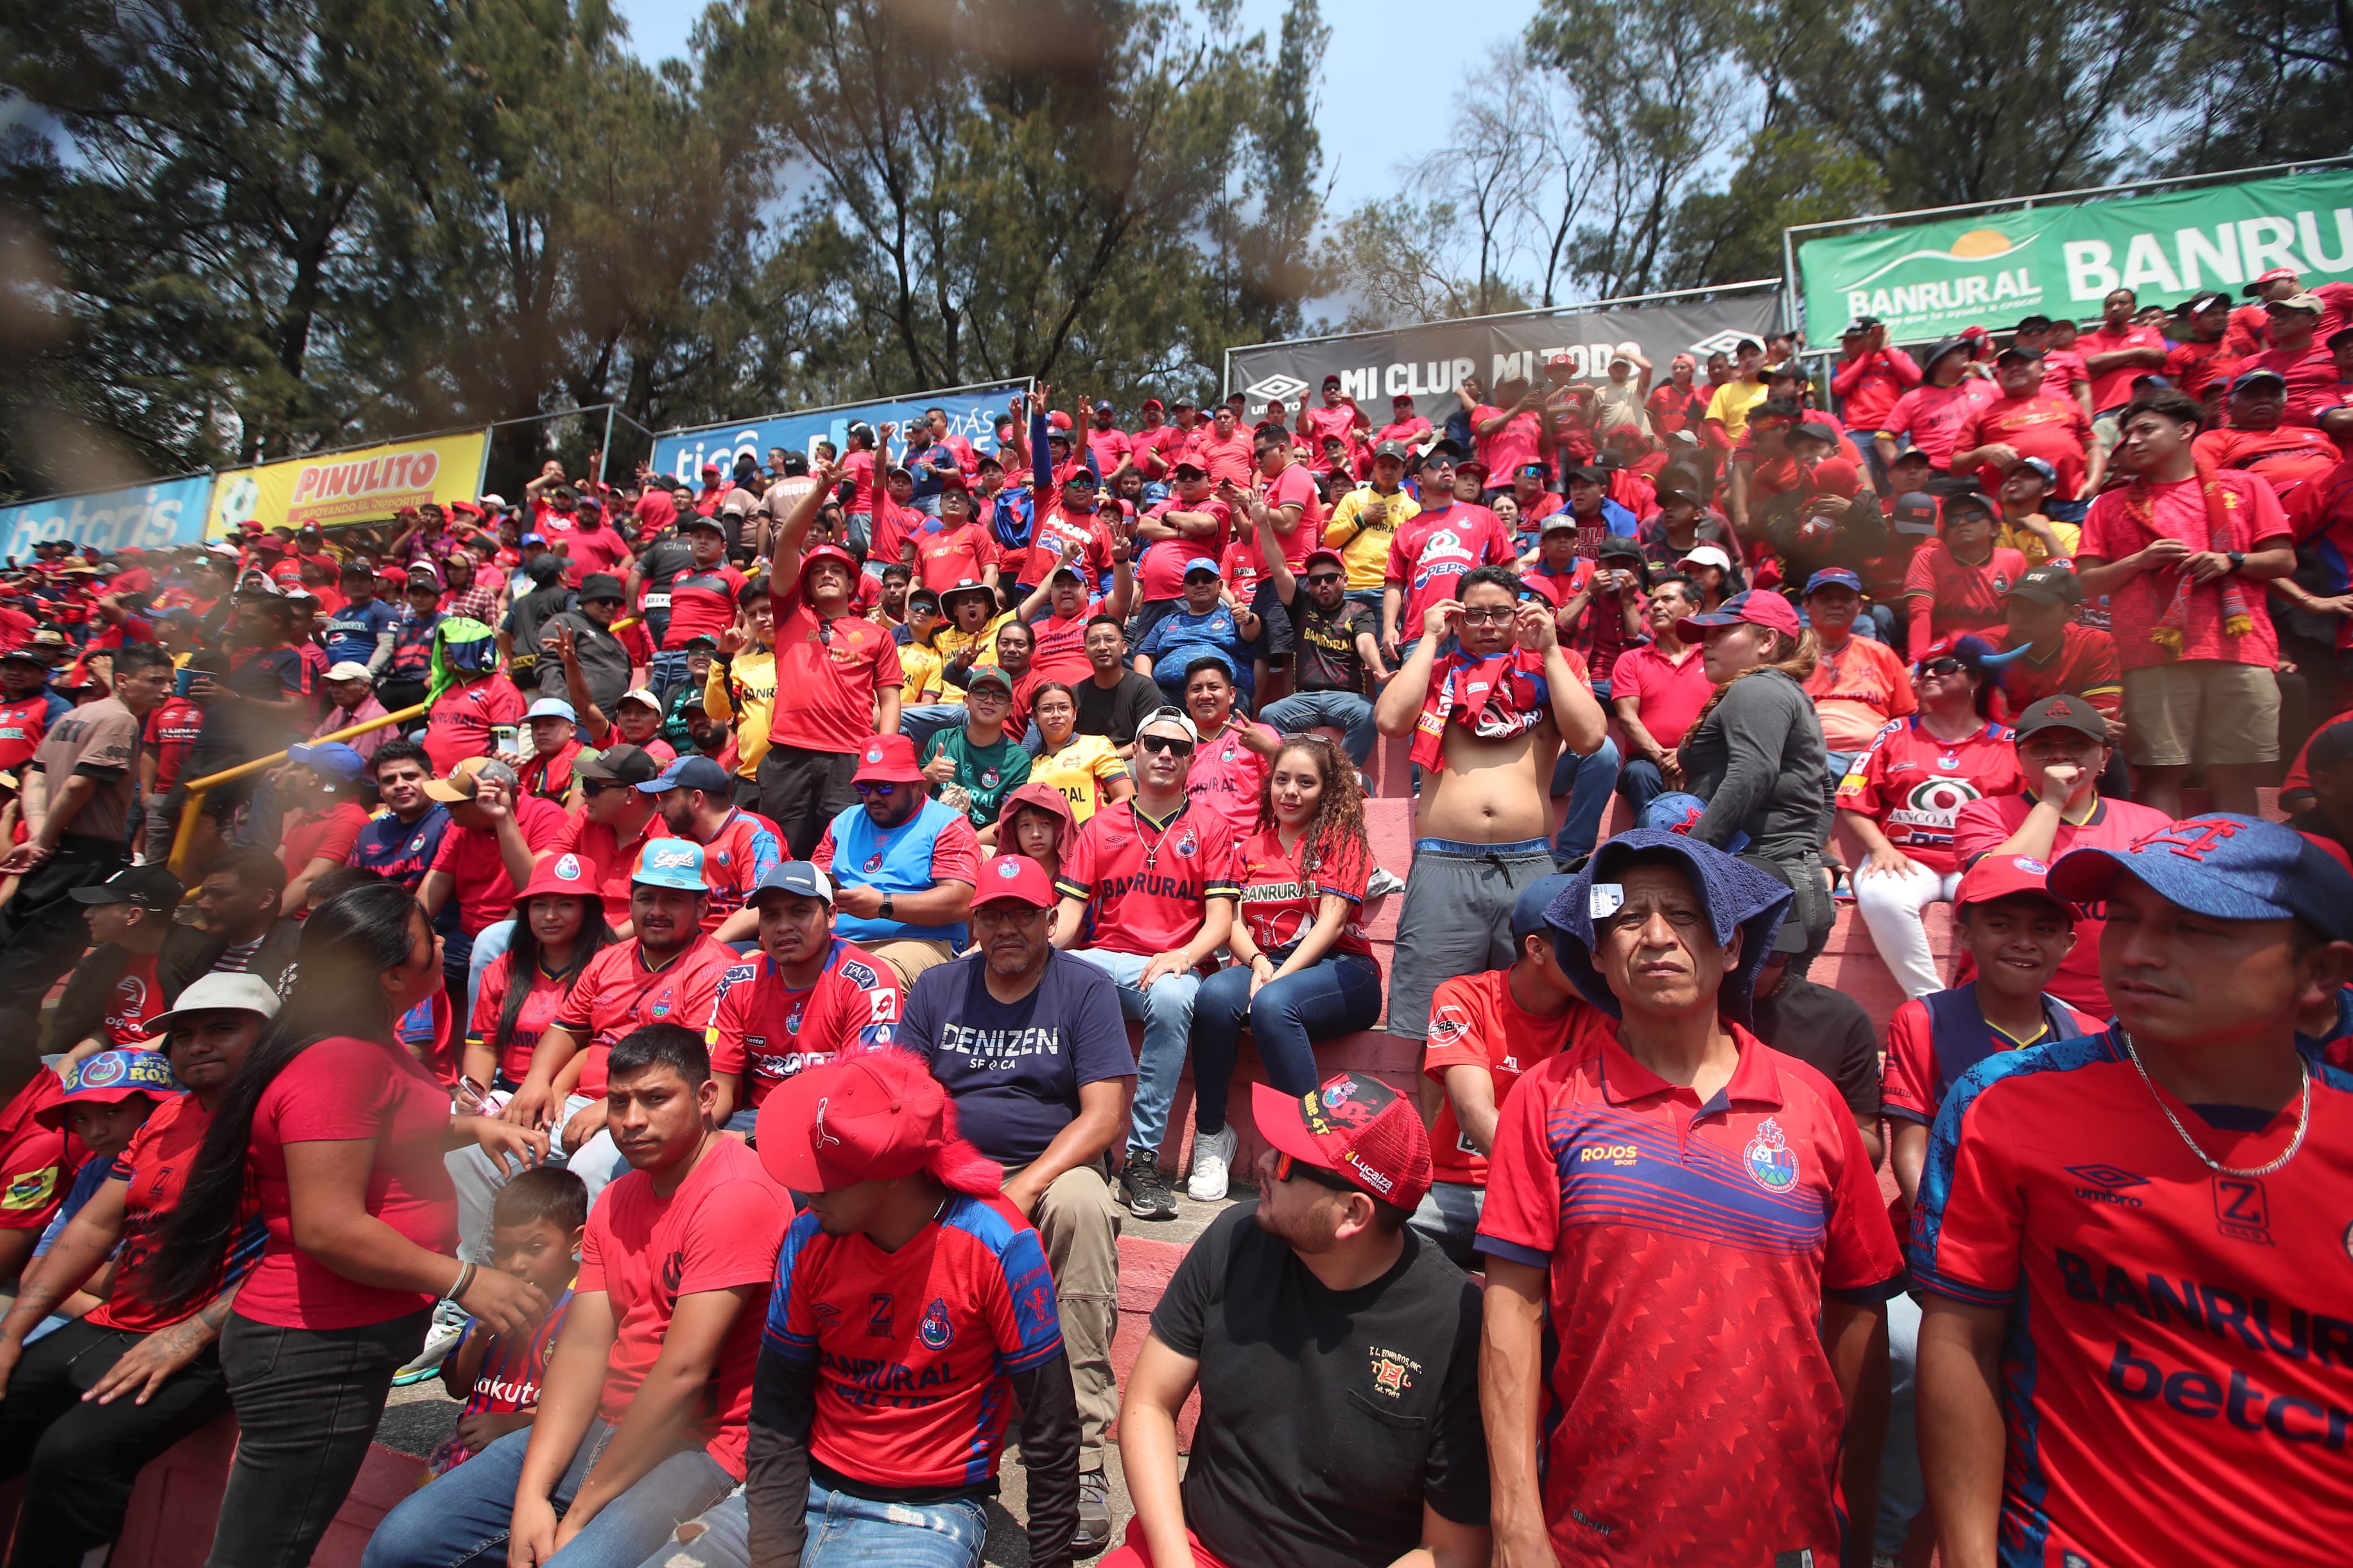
(2102, 1184)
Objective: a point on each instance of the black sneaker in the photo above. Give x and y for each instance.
(1094, 1515)
(1144, 1190)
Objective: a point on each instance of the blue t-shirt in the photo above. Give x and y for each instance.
(401, 851)
(352, 631)
(94, 1174)
(895, 861)
(1015, 1068)
(1176, 642)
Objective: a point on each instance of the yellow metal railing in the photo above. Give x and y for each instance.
(182, 839)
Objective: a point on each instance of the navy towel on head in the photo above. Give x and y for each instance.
(1735, 895)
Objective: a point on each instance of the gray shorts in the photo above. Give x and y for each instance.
(1456, 919)
(1448, 1218)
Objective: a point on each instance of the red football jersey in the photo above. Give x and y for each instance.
(1227, 778)
(1280, 901)
(1962, 597)
(1431, 551)
(608, 862)
(910, 1350)
(1688, 1248)
(2175, 1333)
(540, 1004)
(744, 849)
(2086, 665)
(1914, 785)
(1475, 1022)
(1916, 1077)
(1147, 882)
(155, 1170)
(2036, 426)
(618, 994)
(766, 1030)
(1984, 825)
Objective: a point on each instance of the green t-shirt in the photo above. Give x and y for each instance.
(989, 773)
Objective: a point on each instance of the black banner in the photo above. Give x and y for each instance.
(1429, 361)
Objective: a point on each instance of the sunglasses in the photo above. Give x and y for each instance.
(1165, 743)
(1943, 667)
(870, 787)
(1324, 576)
(1288, 1169)
(592, 788)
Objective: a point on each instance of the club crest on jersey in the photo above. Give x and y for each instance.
(874, 861)
(1771, 1165)
(417, 844)
(935, 1330)
(988, 777)
(1188, 845)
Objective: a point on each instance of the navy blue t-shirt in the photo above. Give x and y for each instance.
(1015, 1069)
(352, 631)
(401, 851)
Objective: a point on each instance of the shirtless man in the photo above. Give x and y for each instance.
(1487, 718)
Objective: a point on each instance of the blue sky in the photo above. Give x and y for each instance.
(1389, 78)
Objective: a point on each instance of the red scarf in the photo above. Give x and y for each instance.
(2224, 531)
(1497, 697)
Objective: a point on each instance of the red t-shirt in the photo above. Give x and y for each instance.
(1280, 901)
(23, 723)
(548, 775)
(1916, 1081)
(1914, 785)
(1431, 551)
(1668, 696)
(1156, 449)
(2288, 458)
(597, 550)
(618, 994)
(2038, 426)
(1295, 486)
(327, 835)
(611, 862)
(1146, 883)
(2123, 522)
(1963, 598)
(2194, 366)
(155, 1170)
(977, 1303)
(1868, 385)
(764, 1029)
(539, 1007)
(38, 1164)
(1228, 778)
(2113, 388)
(1061, 652)
(701, 604)
(828, 677)
(1234, 457)
(1475, 1022)
(1856, 689)
(137, 1000)
(484, 892)
(1160, 574)
(2062, 369)
(2172, 1334)
(1110, 448)
(1984, 826)
(718, 1231)
(1687, 1250)
(1513, 444)
(1935, 417)
(945, 558)
(1055, 527)
(2085, 665)
(346, 1090)
(2311, 378)
(459, 725)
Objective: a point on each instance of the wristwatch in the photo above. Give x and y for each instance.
(886, 908)
(2238, 558)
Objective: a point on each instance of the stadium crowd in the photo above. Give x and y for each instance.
(661, 956)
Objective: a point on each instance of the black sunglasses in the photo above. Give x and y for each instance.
(871, 787)
(1324, 578)
(1943, 667)
(1165, 743)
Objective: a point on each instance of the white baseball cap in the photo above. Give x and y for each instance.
(348, 670)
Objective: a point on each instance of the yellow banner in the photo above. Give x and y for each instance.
(367, 484)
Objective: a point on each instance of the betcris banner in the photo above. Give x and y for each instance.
(972, 413)
(151, 516)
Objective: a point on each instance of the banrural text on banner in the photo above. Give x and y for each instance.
(970, 412)
(1991, 269)
(367, 484)
(151, 516)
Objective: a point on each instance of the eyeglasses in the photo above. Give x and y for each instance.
(1165, 743)
(1324, 576)
(1490, 617)
(885, 790)
(1287, 1168)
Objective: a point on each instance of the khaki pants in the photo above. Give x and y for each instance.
(909, 956)
(1078, 1225)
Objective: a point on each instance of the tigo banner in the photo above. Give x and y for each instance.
(365, 484)
(169, 511)
(972, 412)
(1991, 269)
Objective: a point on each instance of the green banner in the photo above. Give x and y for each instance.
(1990, 268)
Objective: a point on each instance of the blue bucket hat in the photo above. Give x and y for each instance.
(1679, 811)
(110, 1077)
(1737, 896)
(2224, 867)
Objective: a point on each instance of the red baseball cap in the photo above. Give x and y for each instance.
(1058, 420)
(2004, 876)
(1320, 553)
(1756, 607)
(888, 759)
(827, 552)
(1357, 1128)
(873, 1115)
(1015, 878)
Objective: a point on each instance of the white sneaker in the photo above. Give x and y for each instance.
(439, 1341)
(1381, 883)
(1213, 1154)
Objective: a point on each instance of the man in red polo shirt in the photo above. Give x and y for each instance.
(2026, 422)
(2114, 356)
(2132, 1244)
(2261, 440)
(1699, 1215)
(2298, 356)
(1227, 451)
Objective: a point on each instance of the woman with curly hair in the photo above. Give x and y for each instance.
(1303, 969)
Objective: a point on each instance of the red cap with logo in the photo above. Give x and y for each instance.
(2006, 876)
(873, 1115)
(1016, 879)
(1357, 1128)
(888, 759)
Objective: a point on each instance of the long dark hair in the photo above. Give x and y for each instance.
(1336, 833)
(522, 959)
(347, 943)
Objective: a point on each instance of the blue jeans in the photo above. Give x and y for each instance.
(926, 719)
(461, 1520)
(667, 673)
(488, 943)
(1335, 995)
(1167, 1013)
(844, 1532)
(1342, 710)
(1587, 780)
(1638, 784)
